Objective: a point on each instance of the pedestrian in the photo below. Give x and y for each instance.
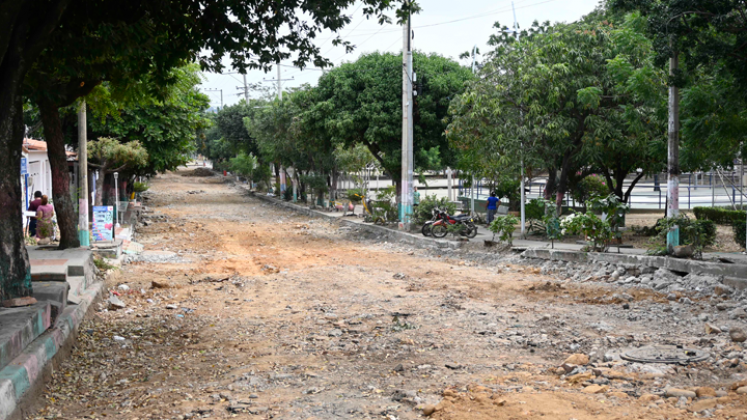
(415, 197)
(492, 206)
(44, 226)
(33, 205)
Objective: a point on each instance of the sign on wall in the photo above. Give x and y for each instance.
(103, 223)
(24, 166)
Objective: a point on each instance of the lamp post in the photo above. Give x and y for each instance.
(116, 195)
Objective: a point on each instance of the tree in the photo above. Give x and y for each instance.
(710, 37)
(361, 103)
(108, 155)
(254, 34)
(569, 99)
(167, 125)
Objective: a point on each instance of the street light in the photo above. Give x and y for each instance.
(116, 195)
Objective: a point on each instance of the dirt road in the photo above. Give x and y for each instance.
(250, 311)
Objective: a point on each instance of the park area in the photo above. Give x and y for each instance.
(239, 309)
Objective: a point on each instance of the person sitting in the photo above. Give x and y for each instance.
(44, 225)
(32, 207)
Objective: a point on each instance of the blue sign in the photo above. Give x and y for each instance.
(103, 226)
(24, 166)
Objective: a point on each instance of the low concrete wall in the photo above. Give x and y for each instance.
(735, 274)
(22, 380)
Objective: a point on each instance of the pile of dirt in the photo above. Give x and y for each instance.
(201, 172)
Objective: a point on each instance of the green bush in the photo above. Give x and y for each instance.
(589, 187)
(424, 210)
(535, 209)
(698, 233)
(596, 231)
(719, 215)
(140, 187)
(740, 236)
(504, 227)
(355, 195)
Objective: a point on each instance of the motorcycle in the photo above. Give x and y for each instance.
(435, 215)
(439, 228)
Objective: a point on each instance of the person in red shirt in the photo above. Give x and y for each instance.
(32, 207)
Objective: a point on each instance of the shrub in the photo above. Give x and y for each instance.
(504, 227)
(139, 187)
(698, 233)
(719, 215)
(589, 187)
(596, 231)
(424, 211)
(740, 236)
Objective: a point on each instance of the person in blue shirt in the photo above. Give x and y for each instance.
(492, 206)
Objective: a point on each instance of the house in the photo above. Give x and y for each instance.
(39, 176)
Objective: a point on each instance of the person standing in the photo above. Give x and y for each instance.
(33, 205)
(44, 225)
(415, 197)
(492, 206)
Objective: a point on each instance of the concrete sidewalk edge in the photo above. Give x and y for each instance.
(24, 377)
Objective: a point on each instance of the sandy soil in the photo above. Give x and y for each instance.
(261, 313)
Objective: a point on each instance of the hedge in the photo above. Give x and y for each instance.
(740, 232)
(720, 215)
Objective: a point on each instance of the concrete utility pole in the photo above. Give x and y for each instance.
(221, 94)
(246, 90)
(405, 209)
(673, 165)
(83, 171)
(523, 188)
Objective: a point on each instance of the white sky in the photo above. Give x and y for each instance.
(456, 27)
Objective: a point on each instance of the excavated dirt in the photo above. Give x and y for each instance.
(240, 309)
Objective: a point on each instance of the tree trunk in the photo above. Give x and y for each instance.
(99, 199)
(67, 220)
(15, 271)
(550, 186)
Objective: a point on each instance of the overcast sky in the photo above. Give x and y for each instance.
(446, 27)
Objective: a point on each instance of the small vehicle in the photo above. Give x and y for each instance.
(435, 215)
(439, 228)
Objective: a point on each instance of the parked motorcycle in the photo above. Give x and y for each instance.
(435, 215)
(439, 228)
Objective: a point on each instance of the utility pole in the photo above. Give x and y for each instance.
(280, 81)
(221, 94)
(673, 166)
(522, 186)
(405, 209)
(246, 90)
(83, 171)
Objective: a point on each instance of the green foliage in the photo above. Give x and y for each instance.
(740, 232)
(316, 183)
(613, 208)
(596, 231)
(168, 126)
(698, 233)
(424, 211)
(567, 98)
(360, 103)
(102, 264)
(550, 220)
(589, 187)
(109, 155)
(140, 187)
(244, 165)
(509, 187)
(720, 215)
(504, 227)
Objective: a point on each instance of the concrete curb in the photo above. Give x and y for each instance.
(390, 235)
(27, 371)
(735, 275)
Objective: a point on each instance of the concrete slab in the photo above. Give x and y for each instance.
(54, 292)
(20, 326)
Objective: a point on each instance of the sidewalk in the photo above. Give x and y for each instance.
(483, 234)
